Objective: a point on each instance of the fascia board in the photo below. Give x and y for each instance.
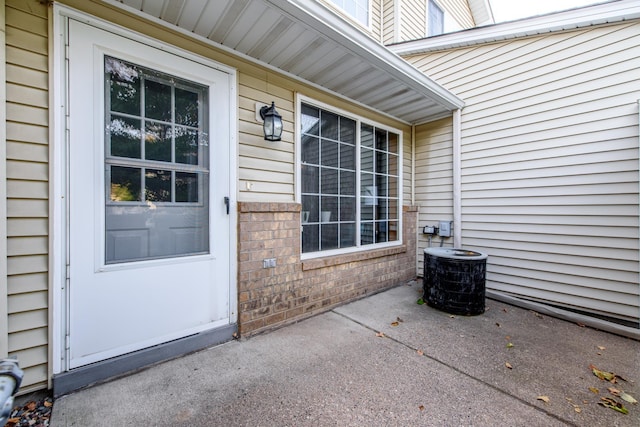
(576, 18)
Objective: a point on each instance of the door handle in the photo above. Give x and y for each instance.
(226, 202)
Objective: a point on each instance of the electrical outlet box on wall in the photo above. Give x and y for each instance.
(444, 230)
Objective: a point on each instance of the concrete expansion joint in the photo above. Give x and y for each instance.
(424, 354)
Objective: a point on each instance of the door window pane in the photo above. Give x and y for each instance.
(125, 137)
(157, 160)
(187, 186)
(187, 107)
(125, 184)
(187, 148)
(157, 100)
(157, 185)
(157, 141)
(124, 86)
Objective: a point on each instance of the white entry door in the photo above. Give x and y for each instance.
(148, 187)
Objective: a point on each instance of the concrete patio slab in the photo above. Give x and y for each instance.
(334, 369)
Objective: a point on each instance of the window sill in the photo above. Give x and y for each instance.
(316, 263)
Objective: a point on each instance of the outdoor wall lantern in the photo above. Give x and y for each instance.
(272, 122)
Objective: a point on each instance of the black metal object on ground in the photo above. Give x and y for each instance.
(454, 280)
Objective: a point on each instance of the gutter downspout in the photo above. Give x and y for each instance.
(413, 194)
(413, 165)
(457, 176)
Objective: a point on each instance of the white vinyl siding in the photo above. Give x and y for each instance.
(550, 163)
(27, 187)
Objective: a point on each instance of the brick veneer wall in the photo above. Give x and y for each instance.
(295, 289)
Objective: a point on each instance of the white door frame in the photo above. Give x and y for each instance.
(58, 131)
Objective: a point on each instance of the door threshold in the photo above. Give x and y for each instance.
(95, 373)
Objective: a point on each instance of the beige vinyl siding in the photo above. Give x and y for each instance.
(27, 187)
(459, 10)
(433, 179)
(4, 332)
(413, 19)
(550, 163)
(266, 167)
(406, 168)
(376, 20)
(388, 22)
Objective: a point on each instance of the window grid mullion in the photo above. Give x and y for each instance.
(173, 141)
(358, 172)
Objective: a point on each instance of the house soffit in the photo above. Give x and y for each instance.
(481, 12)
(306, 41)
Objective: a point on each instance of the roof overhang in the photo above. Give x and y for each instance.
(308, 42)
(603, 13)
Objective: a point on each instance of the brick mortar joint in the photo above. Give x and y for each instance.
(268, 207)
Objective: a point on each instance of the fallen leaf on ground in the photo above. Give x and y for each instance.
(380, 334)
(509, 345)
(545, 399)
(601, 347)
(622, 395)
(628, 398)
(395, 323)
(420, 301)
(604, 375)
(505, 310)
(421, 407)
(508, 365)
(594, 390)
(498, 324)
(420, 353)
(452, 316)
(607, 402)
(577, 408)
(582, 325)
(399, 320)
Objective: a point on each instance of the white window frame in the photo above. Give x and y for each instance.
(444, 18)
(332, 5)
(300, 99)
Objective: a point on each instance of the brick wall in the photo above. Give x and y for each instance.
(295, 289)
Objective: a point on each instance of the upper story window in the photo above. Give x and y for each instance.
(435, 19)
(350, 182)
(357, 9)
